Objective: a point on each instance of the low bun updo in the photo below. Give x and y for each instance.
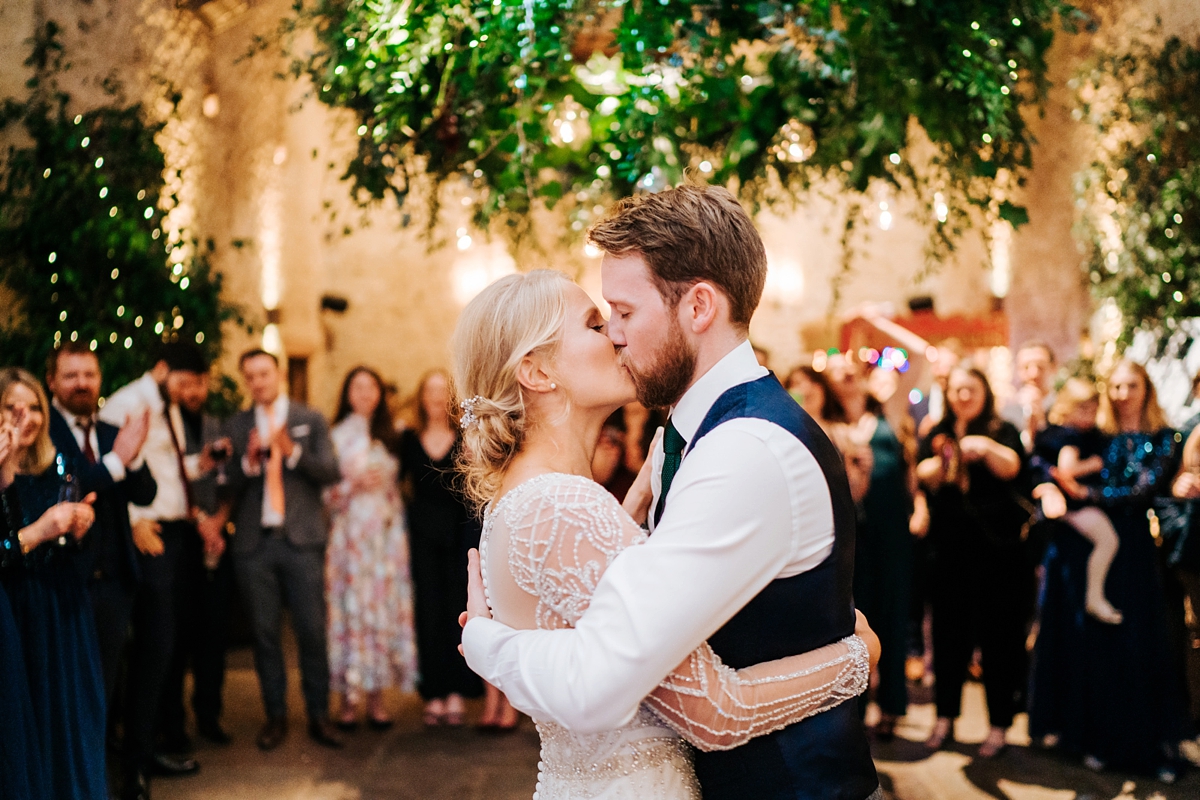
(515, 316)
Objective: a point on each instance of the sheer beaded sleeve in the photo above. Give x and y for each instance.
(563, 532)
(718, 708)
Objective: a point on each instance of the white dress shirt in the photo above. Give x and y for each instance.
(111, 461)
(749, 504)
(279, 415)
(170, 501)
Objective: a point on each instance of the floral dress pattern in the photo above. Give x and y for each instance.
(367, 580)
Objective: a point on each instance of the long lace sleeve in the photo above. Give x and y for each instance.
(718, 708)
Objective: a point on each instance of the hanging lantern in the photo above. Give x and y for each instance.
(569, 127)
(796, 143)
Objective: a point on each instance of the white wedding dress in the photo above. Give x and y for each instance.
(544, 547)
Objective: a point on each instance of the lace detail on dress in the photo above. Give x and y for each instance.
(562, 538)
(563, 531)
(718, 708)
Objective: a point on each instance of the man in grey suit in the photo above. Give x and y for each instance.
(283, 456)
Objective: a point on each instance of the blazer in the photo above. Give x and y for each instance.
(305, 524)
(108, 550)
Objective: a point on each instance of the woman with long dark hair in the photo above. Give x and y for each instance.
(367, 580)
(442, 531)
(1113, 693)
(883, 560)
(981, 582)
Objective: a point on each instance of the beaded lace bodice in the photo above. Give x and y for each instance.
(545, 546)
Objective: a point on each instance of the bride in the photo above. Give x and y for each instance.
(538, 377)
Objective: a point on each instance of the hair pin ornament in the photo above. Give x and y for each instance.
(468, 409)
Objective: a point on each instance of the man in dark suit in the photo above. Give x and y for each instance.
(283, 456)
(204, 582)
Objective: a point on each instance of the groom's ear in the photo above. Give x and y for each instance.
(701, 306)
(532, 374)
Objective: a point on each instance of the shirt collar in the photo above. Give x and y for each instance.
(152, 393)
(279, 409)
(737, 367)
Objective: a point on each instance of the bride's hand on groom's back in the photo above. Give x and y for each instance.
(476, 598)
(863, 631)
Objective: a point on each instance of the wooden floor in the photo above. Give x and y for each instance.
(410, 763)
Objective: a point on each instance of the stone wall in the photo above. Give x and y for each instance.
(261, 162)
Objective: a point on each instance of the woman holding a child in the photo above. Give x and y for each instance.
(1108, 692)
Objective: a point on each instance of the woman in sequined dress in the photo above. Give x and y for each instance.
(51, 611)
(1111, 693)
(540, 377)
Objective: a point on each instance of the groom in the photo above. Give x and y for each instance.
(752, 544)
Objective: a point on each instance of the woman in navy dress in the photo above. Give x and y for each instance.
(1112, 693)
(50, 606)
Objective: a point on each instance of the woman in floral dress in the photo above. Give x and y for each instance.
(367, 579)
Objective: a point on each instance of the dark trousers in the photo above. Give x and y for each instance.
(202, 609)
(274, 574)
(439, 574)
(989, 611)
(112, 605)
(153, 640)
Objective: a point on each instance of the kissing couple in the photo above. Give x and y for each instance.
(730, 627)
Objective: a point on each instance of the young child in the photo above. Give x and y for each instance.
(1072, 446)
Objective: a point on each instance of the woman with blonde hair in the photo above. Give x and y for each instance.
(538, 376)
(1112, 693)
(50, 606)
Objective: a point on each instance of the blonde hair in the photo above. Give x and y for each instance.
(1074, 393)
(40, 456)
(1153, 419)
(514, 317)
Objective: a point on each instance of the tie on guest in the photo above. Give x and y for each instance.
(283, 457)
(161, 531)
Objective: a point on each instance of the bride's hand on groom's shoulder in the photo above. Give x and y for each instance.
(863, 631)
(638, 498)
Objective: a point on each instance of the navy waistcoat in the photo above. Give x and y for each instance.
(825, 757)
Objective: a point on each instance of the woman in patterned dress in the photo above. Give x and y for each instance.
(366, 574)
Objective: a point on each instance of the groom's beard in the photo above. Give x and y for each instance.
(668, 376)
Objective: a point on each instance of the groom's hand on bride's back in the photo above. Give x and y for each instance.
(476, 598)
(863, 631)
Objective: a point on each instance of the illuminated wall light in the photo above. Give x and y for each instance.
(474, 271)
(1001, 275)
(706, 166)
(272, 342)
(464, 242)
(885, 216)
(820, 360)
(785, 280)
(939, 207)
(211, 105)
(591, 251)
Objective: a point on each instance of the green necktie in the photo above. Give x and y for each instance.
(673, 445)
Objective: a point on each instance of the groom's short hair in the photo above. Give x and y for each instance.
(686, 235)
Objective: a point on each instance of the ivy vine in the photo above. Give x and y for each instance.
(83, 250)
(572, 103)
(1141, 195)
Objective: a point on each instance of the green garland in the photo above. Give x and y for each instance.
(575, 103)
(1141, 196)
(81, 242)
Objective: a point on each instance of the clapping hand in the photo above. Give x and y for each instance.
(283, 440)
(974, 448)
(147, 537)
(254, 450)
(1054, 504)
(1186, 486)
(131, 437)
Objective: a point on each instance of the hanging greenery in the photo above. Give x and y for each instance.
(1141, 195)
(564, 102)
(83, 251)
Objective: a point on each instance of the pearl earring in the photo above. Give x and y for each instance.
(554, 386)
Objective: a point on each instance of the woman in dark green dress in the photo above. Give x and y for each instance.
(50, 605)
(883, 559)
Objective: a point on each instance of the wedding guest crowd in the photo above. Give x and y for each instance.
(130, 527)
(977, 515)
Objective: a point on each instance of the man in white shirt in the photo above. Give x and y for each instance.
(752, 524)
(160, 530)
